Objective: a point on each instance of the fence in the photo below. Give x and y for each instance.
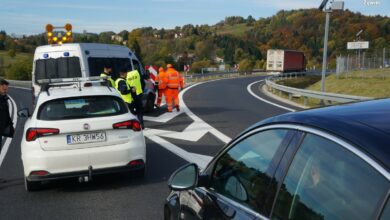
(360, 60)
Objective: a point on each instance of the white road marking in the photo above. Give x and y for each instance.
(5, 147)
(194, 132)
(164, 117)
(266, 101)
(200, 160)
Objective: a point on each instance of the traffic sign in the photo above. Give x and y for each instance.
(358, 45)
(186, 68)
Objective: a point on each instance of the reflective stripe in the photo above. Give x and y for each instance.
(173, 79)
(134, 80)
(127, 97)
(108, 78)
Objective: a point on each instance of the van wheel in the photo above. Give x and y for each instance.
(31, 186)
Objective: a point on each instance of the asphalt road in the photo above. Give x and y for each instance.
(226, 105)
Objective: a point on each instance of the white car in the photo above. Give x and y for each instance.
(80, 131)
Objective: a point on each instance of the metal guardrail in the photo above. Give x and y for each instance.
(18, 83)
(196, 77)
(293, 92)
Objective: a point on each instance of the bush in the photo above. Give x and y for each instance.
(197, 66)
(246, 66)
(20, 70)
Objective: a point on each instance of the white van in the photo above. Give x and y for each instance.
(81, 60)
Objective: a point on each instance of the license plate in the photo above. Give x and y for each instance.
(86, 138)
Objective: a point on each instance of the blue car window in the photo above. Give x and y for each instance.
(240, 173)
(386, 211)
(327, 181)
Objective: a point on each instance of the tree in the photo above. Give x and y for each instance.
(246, 66)
(204, 50)
(197, 66)
(3, 37)
(250, 21)
(105, 37)
(135, 47)
(239, 55)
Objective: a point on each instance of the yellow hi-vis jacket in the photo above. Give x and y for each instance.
(108, 78)
(126, 97)
(134, 80)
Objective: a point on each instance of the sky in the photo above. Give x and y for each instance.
(30, 17)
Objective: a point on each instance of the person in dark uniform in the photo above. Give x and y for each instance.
(6, 124)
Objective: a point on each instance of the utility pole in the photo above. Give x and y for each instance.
(384, 57)
(335, 5)
(325, 54)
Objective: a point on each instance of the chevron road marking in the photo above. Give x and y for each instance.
(194, 132)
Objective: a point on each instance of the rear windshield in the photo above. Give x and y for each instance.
(96, 65)
(81, 107)
(64, 67)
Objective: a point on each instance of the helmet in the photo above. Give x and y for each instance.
(169, 65)
(161, 69)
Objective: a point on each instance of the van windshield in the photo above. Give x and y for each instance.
(63, 67)
(96, 65)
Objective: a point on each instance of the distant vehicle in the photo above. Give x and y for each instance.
(285, 61)
(329, 163)
(79, 129)
(72, 60)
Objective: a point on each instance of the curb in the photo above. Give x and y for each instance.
(273, 96)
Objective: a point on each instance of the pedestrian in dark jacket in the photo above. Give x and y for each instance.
(6, 125)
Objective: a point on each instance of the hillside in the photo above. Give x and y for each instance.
(237, 39)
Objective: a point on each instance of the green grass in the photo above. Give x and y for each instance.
(369, 83)
(6, 61)
(372, 83)
(236, 30)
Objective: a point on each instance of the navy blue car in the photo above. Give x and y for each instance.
(328, 163)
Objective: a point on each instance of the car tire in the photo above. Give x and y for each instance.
(31, 186)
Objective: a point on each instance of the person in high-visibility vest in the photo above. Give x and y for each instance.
(134, 79)
(107, 74)
(162, 79)
(174, 82)
(125, 90)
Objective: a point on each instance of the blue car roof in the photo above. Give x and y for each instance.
(364, 124)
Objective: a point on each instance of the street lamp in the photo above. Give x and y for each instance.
(335, 5)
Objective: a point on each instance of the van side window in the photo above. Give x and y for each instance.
(96, 65)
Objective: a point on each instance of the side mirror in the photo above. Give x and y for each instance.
(184, 178)
(24, 113)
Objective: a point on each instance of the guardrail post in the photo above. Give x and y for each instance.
(290, 96)
(305, 101)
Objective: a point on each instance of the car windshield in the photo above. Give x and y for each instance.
(81, 107)
(63, 67)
